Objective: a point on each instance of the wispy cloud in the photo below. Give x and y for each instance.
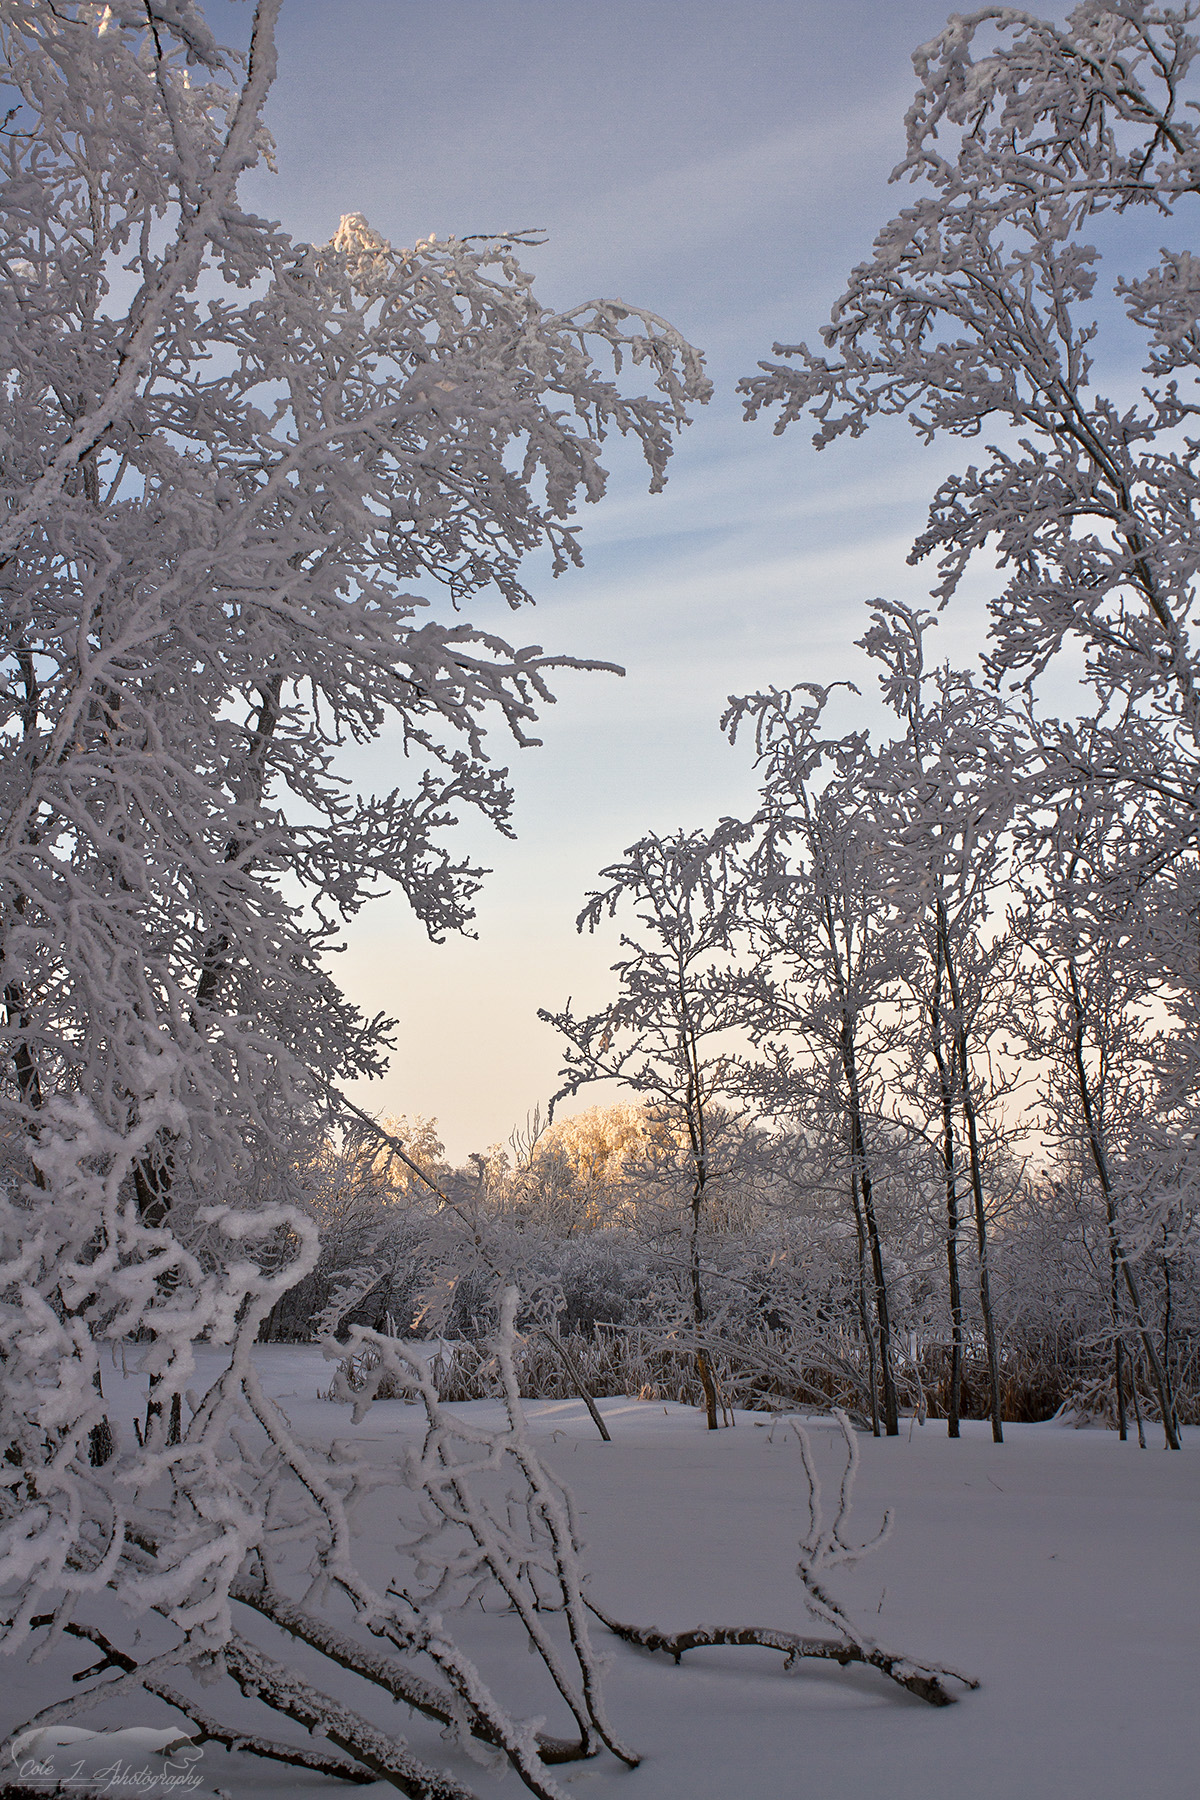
(718, 203)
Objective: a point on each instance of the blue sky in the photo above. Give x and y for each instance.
(724, 164)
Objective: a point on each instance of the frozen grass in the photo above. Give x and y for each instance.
(1061, 1568)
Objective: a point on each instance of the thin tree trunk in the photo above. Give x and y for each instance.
(1137, 1404)
(702, 1364)
(1168, 1389)
(891, 1420)
(950, 1172)
(967, 1104)
(867, 1332)
(858, 1158)
(860, 1181)
(1099, 1156)
(573, 1370)
(101, 1439)
(1157, 1372)
(985, 1291)
(698, 1137)
(17, 1015)
(16, 1004)
(154, 1173)
(954, 1402)
(1114, 1295)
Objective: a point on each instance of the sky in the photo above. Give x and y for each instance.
(724, 163)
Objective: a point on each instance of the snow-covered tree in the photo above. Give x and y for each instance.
(827, 962)
(1035, 151)
(976, 311)
(228, 460)
(669, 1033)
(1090, 993)
(943, 796)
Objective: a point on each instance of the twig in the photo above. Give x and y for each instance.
(572, 1367)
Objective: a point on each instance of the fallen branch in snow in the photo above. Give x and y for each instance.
(377, 1754)
(260, 1677)
(477, 1514)
(823, 1547)
(208, 1729)
(525, 1544)
(388, 1672)
(925, 1683)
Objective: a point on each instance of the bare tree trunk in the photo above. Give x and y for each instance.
(698, 1137)
(154, 1175)
(891, 1420)
(101, 1440)
(985, 1291)
(16, 1007)
(864, 1321)
(1137, 1404)
(1158, 1374)
(967, 1104)
(1099, 1154)
(16, 1004)
(572, 1367)
(858, 1159)
(950, 1173)
(1168, 1389)
(703, 1368)
(954, 1400)
(1114, 1297)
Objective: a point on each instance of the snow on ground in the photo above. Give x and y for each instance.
(1061, 1568)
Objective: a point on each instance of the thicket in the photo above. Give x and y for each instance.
(599, 1244)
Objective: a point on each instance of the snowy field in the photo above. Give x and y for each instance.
(1062, 1569)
